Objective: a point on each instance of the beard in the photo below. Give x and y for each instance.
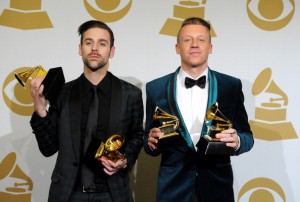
(94, 66)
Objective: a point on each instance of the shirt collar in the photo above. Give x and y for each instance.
(182, 74)
(104, 85)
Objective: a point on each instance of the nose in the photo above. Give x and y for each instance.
(95, 47)
(194, 43)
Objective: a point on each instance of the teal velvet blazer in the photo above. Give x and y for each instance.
(180, 167)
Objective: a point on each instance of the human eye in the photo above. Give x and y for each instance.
(103, 43)
(201, 39)
(88, 42)
(186, 40)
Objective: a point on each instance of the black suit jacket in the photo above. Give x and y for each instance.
(60, 132)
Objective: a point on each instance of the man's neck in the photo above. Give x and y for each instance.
(194, 72)
(95, 77)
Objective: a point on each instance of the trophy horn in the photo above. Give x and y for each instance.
(114, 142)
(214, 114)
(159, 114)
(109, 149)
(23, 77)
(168, 125)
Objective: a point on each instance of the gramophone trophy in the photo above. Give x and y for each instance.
(109, 148)
(216, 122)
(54, 79)
(168, 124)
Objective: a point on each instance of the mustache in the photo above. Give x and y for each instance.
(94, 54)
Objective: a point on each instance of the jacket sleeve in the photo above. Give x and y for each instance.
(241, 123)
(150, 107)
(45, 131)
(134, 137)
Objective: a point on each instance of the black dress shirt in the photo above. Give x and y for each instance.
(104, 95)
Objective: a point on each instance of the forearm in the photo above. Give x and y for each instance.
(246, 142)
(45, 134)
(133, 145)
(134, 136)
(150, 108)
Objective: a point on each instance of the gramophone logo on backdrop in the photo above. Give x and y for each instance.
(110, 10)
(17, 185)
(17, 97)
(261, 189)
(270, 117)
(182, 11)
(25, 15)
(270, 15)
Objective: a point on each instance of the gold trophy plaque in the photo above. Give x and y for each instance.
(168, 124)
(216, 122)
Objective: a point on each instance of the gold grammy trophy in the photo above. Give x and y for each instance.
(216, 122)
(54, 79)
(109, 148)
(270, 117)
(168, 124)
(21, 189)
(33, 72)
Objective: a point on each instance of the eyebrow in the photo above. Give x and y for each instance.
(100, 40)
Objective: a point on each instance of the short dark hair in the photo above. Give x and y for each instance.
(194, 21)
(95, 24)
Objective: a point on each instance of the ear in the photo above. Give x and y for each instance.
(210, 49)
(112, 52)
(177, 47)
(79, 50)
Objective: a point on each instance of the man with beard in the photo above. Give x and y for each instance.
(66, 127)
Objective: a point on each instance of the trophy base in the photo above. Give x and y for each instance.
(170, 141)
(217, 148)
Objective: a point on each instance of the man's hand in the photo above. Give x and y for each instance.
(111, 167)
(39, 100)
(229, 136)
(154, 134)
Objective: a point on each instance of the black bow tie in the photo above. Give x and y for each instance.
(191, 82)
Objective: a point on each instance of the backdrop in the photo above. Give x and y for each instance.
(255, 40)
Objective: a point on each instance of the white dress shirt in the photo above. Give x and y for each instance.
(192, 103)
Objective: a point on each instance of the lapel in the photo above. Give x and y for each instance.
(114, 125)
(171, 94)
(75, 116)
(212, 94)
